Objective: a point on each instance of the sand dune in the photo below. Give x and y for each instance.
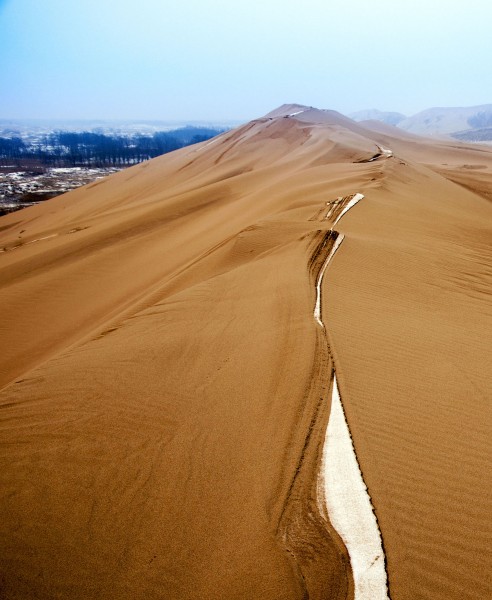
(166, 390)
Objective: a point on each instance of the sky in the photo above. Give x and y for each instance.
(224, 60)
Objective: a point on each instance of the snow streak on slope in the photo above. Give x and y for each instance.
(348, 503)
(352, 202)
(317, 306)
(349, 506)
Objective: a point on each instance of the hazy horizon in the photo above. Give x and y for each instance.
(210, 61)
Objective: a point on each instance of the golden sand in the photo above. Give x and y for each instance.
(166, 390)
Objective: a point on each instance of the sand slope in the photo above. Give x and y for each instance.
(166, 389)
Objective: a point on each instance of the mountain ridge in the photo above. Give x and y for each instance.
(470, 123)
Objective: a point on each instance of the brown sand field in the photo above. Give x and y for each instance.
(165, 385)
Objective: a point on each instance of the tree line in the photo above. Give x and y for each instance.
(71, 149)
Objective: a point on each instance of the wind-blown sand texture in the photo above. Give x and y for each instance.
(166, 387)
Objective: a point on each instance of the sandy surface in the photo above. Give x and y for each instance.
(166, 390)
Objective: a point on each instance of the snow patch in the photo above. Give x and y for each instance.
(319, 281)
(385, 151)
(349, 506)
(352, 202)
(341, 485)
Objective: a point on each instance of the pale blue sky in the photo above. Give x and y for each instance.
(232, 59)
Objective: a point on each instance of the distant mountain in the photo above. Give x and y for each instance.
(469, 123)
(448, 121)
(373, 114)
(474, 135)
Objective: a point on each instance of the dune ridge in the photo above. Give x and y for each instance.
(166, 388)
(342, 492)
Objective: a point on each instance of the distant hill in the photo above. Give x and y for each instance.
(446, 121)
(474, 135)
(469, 123)
(373, 114)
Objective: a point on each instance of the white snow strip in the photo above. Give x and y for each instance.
(46, 237)
(330, 210)
(317, 306)
(355, 198)
(332, 206)
(297, 112)
(385, 151)
(207, 144)
(349, 507)
(344, 492)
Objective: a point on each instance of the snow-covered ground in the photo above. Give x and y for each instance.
(23, 188)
